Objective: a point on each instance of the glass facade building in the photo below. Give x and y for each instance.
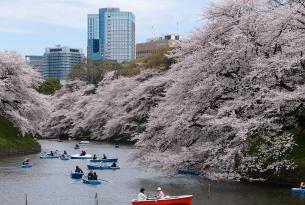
(93, 37)
(59, 61)
(117, 34)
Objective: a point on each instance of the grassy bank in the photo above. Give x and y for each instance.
(11, 137)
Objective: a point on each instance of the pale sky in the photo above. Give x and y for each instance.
(28, 26)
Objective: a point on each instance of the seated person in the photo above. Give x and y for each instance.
(83, 153)
(78, 170)
(104, 156)
(302, 186)
(51, 153)
(113, 164)
(159, 193)
(77, 145)
(90, 175)
(94, 176)
(26, 161)
(141, 195)
(65, 152)
(94, 156)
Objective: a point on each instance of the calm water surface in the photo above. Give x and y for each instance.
(48, 182)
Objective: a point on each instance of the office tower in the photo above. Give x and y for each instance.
(117, 34)
(60, 60)
(93, 37)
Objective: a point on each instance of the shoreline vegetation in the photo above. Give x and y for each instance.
(12, 142)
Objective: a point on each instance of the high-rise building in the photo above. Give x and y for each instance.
(59, 61)
(35, 62)
(93, 37)
(155, 45)
(116, 35)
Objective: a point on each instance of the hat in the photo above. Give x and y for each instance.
(159, 189)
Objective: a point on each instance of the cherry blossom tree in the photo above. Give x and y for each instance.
(19, 101)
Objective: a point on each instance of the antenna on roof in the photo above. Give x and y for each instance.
(177, 26)
(152, 31)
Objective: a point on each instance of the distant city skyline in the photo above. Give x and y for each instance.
(29, 26)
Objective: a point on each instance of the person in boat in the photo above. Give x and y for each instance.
(65, 152)
(113, 164)
(94, 176)
(90, 175)
(51, 153)
(141, 195)
(26, 161)
(94, 156)
(77, 146)
(104, 156)
(78, 170)
(159, 193)
(83, 153)
(302, 185)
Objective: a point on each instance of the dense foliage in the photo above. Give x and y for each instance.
(49, 86)
(93, 71)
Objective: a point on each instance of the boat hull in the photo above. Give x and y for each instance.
(26, 165)
(65, 157)
(92, 182)
(49, 157)
(77, 156)
(181, 200)
(76, 175)
(104, 160)
(102, 167)
(84, 142)
(298, 190)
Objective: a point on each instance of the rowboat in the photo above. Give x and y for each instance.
(76, 175)
(116, 146)
(92, 182)
(84, 142)
(49, 156)
(298, 190)
(101, 167)
(188, 172)
(77, 156)
(76, 147)
(26, 165)
(65, 157)
(172, 200)
(104, 160)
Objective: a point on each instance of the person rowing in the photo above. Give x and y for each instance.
(113, 164)
(78, 170)
(104, 156)
(159, 193)
(83, 153)
(90, 175)
(141, 195)
(94, 156)
(26, 161)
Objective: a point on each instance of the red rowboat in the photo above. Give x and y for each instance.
(173, 200)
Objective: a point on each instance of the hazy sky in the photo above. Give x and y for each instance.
(28, 26)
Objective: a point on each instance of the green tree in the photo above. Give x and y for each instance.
(93, 71)
(49, 86)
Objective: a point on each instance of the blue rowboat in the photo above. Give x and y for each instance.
(104, 160)
(100, 167)
(26, 165)
(76, 147)
(92, 182)
(49, 157)
(298, 190)
(188, 172)
(65, 157)
(76, 175)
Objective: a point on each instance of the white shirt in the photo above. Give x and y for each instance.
(141, 197)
